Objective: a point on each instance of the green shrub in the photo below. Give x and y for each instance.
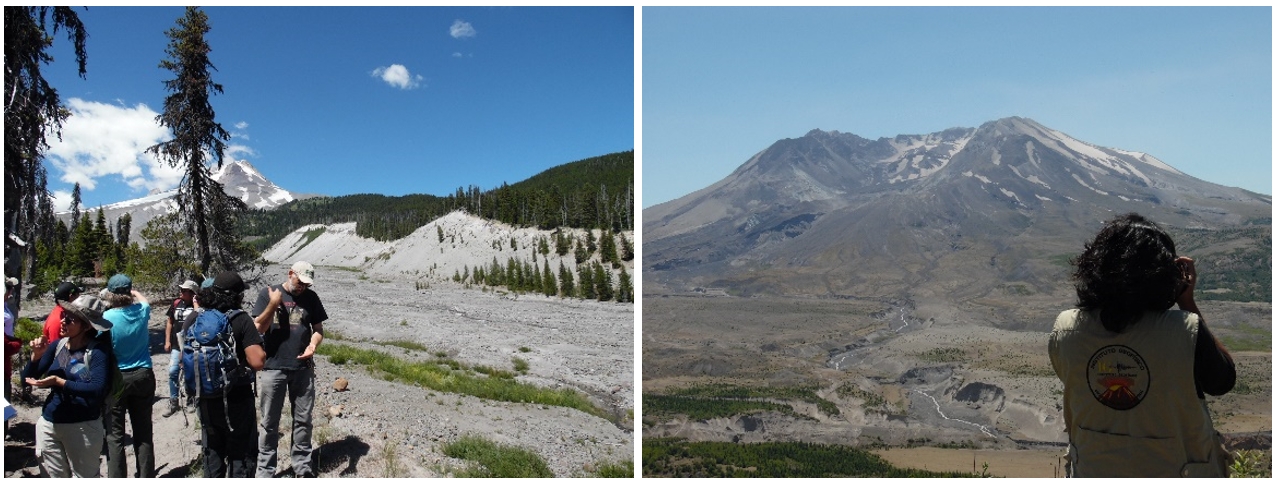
(496, 460)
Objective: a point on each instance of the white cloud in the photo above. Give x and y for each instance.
(237, 152)
(398, 76)
(61, 200)
(456, 54)
(241, 125)
(461, 29)
(100, 140)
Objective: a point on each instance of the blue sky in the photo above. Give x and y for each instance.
(1191, 86)
(343, 100)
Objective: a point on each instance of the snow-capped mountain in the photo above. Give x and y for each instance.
(957, 213)
(239, 179)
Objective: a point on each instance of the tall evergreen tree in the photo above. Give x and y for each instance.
(624, 287)
(32, 111)
(75, 206)
(566, 286)
(196, 133)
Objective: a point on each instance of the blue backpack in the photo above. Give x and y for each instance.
(209, 363)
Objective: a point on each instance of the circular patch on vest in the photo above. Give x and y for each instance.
(1118, 377)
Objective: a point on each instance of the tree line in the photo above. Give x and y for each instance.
(593, 193)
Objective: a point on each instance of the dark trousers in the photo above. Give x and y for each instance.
(233, 446)
(136, 401)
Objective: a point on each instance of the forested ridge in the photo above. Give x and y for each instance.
(596, 192)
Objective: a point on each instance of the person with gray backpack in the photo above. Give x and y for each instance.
(221, 349)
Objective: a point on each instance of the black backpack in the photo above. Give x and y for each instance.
(209, 363)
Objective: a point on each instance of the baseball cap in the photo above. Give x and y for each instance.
(305, 272)
(65, 291)
(229, 281)
(120, 284)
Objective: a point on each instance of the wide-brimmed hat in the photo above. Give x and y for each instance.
(89, 309)
(189, 285)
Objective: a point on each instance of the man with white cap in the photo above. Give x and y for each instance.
(290, 318)
(176, 315)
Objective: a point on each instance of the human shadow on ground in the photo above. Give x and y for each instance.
(347, 451)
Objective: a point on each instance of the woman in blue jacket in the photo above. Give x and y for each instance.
(76, 369)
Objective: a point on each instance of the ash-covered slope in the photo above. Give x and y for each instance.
(959, 214)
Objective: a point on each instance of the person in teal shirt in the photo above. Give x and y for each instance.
(130, 315)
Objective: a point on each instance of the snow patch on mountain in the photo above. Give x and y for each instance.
(981, 178)
(1087, 186)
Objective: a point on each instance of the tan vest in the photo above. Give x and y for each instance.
(1130, 405)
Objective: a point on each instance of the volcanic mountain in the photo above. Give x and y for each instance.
(239, 179)
(960, 215)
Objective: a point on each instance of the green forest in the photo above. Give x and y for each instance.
(680, 458)
(724, 400)
(593, 193)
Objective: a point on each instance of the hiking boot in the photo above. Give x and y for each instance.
(190, 404)
(173, 408)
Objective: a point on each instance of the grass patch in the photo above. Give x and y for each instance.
(525, 349)
(615, 470)
(1246, 338)
(451, 376)
(310, 236)
(725, 391)
(404, 344)
(520, 365)
(944, 354)
(707, 408)
(496, 460)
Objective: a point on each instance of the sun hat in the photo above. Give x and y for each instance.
(88, 309)
(189, 285)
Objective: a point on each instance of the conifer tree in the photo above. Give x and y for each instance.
(566, 286)
(32, 111)
(624, 287)
(196, 134)
(549, 286)
(586, 288)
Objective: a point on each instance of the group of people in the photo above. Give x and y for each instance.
(94, 356)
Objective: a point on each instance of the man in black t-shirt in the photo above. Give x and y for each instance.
(229, 424)
(290, 318)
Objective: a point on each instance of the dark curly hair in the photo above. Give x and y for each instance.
(1128, 269)
(220, 299)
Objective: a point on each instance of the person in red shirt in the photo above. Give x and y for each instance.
(66, 292)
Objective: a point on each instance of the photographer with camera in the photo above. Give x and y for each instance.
(1136, 372)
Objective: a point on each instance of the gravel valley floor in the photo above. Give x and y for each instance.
(377, 428)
